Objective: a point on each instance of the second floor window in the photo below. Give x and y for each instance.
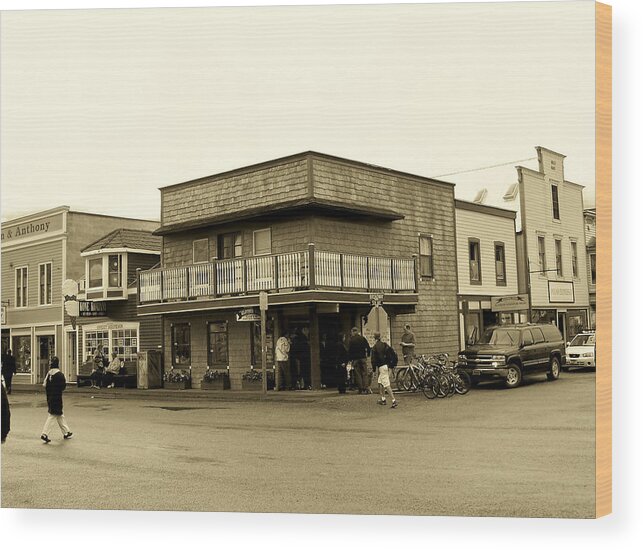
(44, 284)
(95, 273)
(501, 275)
(592, 268)
(475, 274)
(21, 287)
(229, 245)
(542, 258)
(181, 345)
(554, 202)
(200, 251)
(574, 259)
(426, 256)
(115, 271)
(261, 242)
(559, 257)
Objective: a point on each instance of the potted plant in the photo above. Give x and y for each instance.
(252, 379)
(177, 379)
(216, 379)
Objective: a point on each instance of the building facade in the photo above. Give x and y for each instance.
(551, 245)
(108, 316)
(326, 238)
(487, 269)
(39, 252)
(590, 244)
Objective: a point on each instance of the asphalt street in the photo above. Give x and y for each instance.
(525, 452)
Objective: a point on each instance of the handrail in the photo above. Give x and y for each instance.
(273, 272)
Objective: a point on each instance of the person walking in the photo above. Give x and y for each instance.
(380, 358)
(8, 369)
(6, 415)
(358, 351)
(55, 385)
(408, 345)
(282, 351)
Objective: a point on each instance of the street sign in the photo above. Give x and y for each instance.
(263, 301)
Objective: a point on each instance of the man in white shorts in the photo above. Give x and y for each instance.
(379, 355)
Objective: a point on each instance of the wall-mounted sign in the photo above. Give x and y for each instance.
(515, 302)
(561, 292)
(35, 228)
(4, 315)
(248, 315)
(92, 309)
(376, 299)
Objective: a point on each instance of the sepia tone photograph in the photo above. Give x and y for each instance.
(301, 259)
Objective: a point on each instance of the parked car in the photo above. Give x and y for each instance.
(510, 352)
(581, 351)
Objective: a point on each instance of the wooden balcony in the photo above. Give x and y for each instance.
(278, 273)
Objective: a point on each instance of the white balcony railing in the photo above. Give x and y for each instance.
(278, 272)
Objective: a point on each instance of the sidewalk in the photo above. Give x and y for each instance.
(302, 396)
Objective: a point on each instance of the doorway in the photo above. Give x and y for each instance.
(562, 324)
(46, 350)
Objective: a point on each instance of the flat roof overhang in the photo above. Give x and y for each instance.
(285, 210)
(277, 299)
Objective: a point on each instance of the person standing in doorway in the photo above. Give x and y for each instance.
(55, 385)
(380, 356)
(282, 356)
(8, 369)
(408, 344)
(358, 351)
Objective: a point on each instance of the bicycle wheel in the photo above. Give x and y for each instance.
(430, 386)
(444, 385)
(399, 378)
(462, 382)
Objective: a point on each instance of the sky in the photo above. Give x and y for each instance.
(100, 108)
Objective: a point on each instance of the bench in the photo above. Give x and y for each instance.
(127, 380)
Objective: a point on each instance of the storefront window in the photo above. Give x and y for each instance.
(96, 339)
(218, 344)
(181, 350)
(125, 344)
(256, 344)
(576, 322)
(21, 349)
(543, 316)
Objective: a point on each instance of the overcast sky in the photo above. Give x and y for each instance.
(99, 108)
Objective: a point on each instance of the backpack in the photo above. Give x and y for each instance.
(391, 357)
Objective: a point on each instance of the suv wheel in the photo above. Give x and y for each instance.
(554, 369)
(514, 376)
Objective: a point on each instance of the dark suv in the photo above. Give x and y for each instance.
(510, 352)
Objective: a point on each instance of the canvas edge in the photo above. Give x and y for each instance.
(603, 100)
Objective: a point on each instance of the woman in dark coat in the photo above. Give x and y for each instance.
(55, 385)
(6, 415)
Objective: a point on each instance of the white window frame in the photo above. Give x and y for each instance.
(206, 239)
(100, 327)
(26, 286)
(120, 267)
(51, 275)
(104, 257)
(551, 193)
(88, 276)
(559, 241)
(254, 247)
(573, 243)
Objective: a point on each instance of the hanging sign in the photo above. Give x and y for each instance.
(249, 314)
(516, 302)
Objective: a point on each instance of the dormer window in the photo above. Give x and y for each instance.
(115, 271)
(95, 275)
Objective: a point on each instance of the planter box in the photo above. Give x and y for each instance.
(185, 385)
(251, 385)
(219, 384)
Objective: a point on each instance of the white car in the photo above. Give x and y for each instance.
(581, 351)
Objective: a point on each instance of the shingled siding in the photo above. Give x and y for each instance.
(428, 208)
(287, 236)
(239, 191)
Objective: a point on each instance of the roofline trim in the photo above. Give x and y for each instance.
(98, 251)
(485, 209)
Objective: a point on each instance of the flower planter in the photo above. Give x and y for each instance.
(218, 384)
(184, 385)
(251, 385)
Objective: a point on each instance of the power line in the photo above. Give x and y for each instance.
(484, 167)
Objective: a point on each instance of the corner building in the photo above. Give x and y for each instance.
(325, 237)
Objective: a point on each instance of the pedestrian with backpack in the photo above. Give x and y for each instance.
(55, 385)
(381, 356)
